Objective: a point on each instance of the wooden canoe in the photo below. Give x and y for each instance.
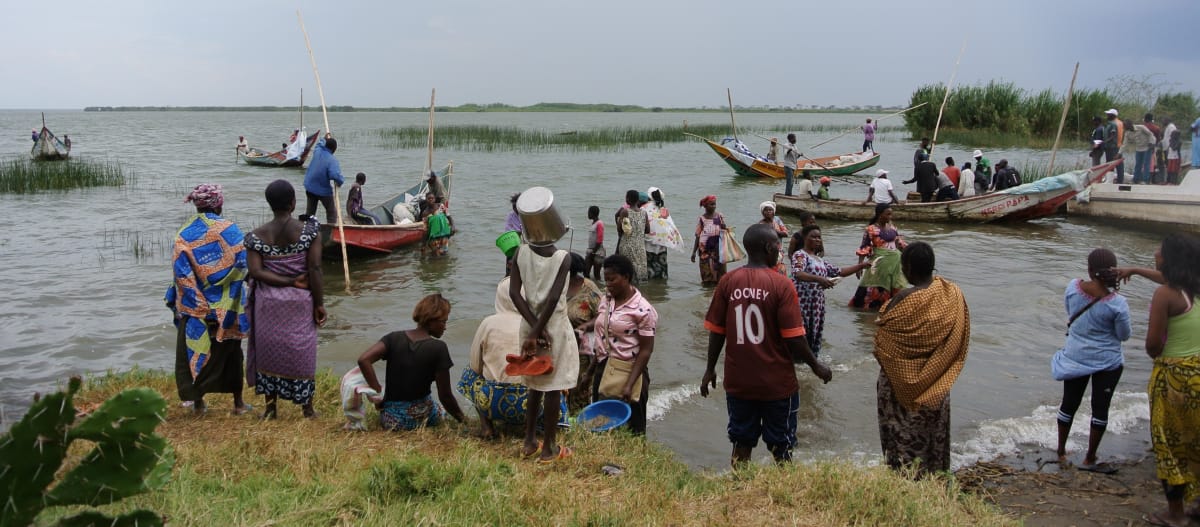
(750, 165)
(1025, 202)
(48, 147)
(367, 240)
(262, 158)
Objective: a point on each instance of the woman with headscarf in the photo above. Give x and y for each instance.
(881, 245)
(708, 242)
(767, 209)
(416, 358)
(921, 344)
(287, 303)
(663, 234)
(632, 228)
(497, 396)
(208, 302)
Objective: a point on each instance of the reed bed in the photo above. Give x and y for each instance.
(511, 138)
(22, 176)
(238, 470)
(1035, 170)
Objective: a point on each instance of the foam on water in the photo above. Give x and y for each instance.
(661, 401)
(1129, 412)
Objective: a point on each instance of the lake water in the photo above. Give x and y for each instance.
(85, 271)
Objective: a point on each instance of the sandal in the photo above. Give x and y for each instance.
(564, 452)
(1155, 518)
(244, 409)
(1099, 468)
(531, 454)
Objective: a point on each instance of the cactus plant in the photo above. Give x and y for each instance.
(127, 458)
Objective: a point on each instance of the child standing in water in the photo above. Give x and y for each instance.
(595, 251)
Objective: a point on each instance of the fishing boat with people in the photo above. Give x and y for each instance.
(399, 225)
(293, 156)
(1033, 200)
(1174, 205)
(47, 147)
(746, 163)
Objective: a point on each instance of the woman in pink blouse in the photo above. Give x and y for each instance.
(625, 327)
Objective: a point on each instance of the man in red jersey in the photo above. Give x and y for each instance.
(757, 309)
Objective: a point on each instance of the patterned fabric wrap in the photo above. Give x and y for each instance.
(922, 342)
(299, 391)
(206, 196)
(912, 436)
(1175, 421)
(398, 416)
(209, 267)
(283, 336)
(663, 231)
(811, 295)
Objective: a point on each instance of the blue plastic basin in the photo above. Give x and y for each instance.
(605, 415)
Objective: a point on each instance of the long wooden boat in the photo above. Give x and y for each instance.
(262, 158)
(1025, 202)
(1175, 205)
(747, 163)
(48, 147)
(366, 240)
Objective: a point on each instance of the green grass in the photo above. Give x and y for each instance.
(1034, 171)
(21, 176)
(511, 138)
(238, 470)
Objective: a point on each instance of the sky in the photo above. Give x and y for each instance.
(671, 53)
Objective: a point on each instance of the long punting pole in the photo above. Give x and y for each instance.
(302, 110)
(429, 142)
(1062, 122)
(729, 95)
(946, 97)
(877, 120)
(337, 201)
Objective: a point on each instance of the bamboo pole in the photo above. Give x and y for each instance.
(732, 122)
(429, 145)
(949, 86)
(337, 201)
(877, 120)
(1062, 122)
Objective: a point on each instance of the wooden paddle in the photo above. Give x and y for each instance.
(823, 167)
(337, 201)
(1062, 122)
(733, 123)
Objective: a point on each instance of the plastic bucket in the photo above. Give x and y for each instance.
(602, 416)
(540, 219)
(508, 242)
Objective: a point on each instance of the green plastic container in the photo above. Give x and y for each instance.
(508, 242)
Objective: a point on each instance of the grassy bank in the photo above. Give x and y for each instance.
(511, 138)
(237, 470)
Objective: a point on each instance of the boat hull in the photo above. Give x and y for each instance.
(49, 148)
(278, 159)
(1176, 206)
(748, 166)
(377, 240)
(1025, 202)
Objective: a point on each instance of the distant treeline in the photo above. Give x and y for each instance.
(493, 107)
(1002, 108)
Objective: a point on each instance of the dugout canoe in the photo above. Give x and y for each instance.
(1038, 199)
(48, 147)
(369, 240)
(262, 158)
(746, 163)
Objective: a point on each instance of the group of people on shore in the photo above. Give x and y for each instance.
(1156, 150)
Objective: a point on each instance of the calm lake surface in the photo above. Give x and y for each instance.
(85, 271)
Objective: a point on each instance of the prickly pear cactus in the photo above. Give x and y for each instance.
(127, 458)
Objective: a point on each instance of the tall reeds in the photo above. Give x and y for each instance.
(998, 109)
(21, 176)
(512, 138)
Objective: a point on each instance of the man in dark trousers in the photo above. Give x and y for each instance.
(757, 309)
(925, 175)
(323, 169)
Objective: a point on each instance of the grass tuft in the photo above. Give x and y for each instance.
(22, 176)
(238, 470)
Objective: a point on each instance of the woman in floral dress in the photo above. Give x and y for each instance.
(812, 276)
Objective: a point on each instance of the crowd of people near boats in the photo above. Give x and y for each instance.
(570, 329)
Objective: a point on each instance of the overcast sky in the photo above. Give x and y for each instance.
(651, 52)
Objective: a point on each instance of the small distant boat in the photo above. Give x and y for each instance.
(1024, 202)
(262, 158)
(1174, 205)
(747, 163)
(48, 147)
(365, 240)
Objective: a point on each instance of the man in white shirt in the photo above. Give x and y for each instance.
(804, 187)
(881, 190)
(790, 156)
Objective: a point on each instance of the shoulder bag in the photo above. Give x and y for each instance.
(616, 371)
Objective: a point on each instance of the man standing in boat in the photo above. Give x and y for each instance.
(868, 137)
(790, 156)
(323, 169)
